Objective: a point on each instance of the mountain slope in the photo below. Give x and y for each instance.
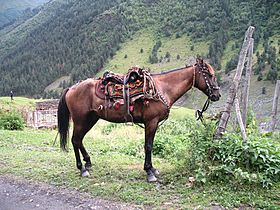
(78, 38)
(12, 9)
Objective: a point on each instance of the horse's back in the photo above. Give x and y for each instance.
(80, 96)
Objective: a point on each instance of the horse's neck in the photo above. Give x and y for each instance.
(174, 84)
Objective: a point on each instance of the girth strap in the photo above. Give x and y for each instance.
(126, 97)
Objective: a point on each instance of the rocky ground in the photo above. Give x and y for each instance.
(20, 194)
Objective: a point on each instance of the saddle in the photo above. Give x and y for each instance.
(122, 89)
(133, 74)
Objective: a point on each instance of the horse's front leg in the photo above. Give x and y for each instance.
(150, 130)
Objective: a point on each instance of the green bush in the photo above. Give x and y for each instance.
(11, 121)
(191, 146)
(230, 159)
(256, 160)
(171, 140)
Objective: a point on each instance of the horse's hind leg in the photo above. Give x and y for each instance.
(86, 157)
(80, 129)
(77, 137)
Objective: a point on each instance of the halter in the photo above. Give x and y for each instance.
(204, 70)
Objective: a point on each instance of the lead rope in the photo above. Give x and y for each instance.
(199, 113)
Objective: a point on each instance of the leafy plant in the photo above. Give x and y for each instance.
(172, 139)
(191, 147)
(11, 121)
(109, 128)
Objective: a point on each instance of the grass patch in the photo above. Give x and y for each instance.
(229, 53)
(117, 155)
(18, 103)
(130, 55)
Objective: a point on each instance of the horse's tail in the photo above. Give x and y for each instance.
(63, 117)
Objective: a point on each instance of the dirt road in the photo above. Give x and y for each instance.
(20, 194)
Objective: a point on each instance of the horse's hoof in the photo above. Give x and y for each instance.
(155, 171)
(151, 178)
(88, 168)
(85, 173)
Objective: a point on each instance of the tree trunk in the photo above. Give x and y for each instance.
(247, 83)
(274, 106)
(233, 88)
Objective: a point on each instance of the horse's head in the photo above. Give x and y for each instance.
(205, 80)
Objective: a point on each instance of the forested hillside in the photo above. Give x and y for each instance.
(10, 10)
(77, 38)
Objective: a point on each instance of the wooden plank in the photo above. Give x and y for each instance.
(247, 84)
(274, 106)
(239, 119)
(234, 87)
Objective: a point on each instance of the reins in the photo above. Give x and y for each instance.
(199, 113)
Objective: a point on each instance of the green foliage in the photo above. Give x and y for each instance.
(233, 160)
(172, 139)
(255, 161)
(11, 121)
(232, 64)
(153, 57)
(77, 38)
(267, 59)
(106, 130)
(95, 35)
(118, 175)
(190, 146)
(11, 10)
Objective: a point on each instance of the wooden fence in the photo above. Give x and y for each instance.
(41, 118)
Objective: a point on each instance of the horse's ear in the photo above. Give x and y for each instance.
(199, 60)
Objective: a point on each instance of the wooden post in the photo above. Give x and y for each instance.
(240, 121)
(274, 106)
(247, 83)
(233, 88)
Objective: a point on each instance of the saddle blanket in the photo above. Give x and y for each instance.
(115, 91)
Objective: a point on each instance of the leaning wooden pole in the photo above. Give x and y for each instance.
(234, 87)
(247, 83)
(240, 121)
(274, 106)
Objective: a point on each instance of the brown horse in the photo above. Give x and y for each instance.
(81, 103)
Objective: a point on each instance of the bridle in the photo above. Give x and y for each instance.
(203, 69)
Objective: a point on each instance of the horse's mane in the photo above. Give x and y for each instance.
(210, 69)
(169, 71)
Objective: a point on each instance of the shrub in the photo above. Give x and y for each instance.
(230, 159)
(171, 142)
(11, 121)
(254, 161)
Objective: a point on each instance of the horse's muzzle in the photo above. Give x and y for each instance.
(215, 97)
